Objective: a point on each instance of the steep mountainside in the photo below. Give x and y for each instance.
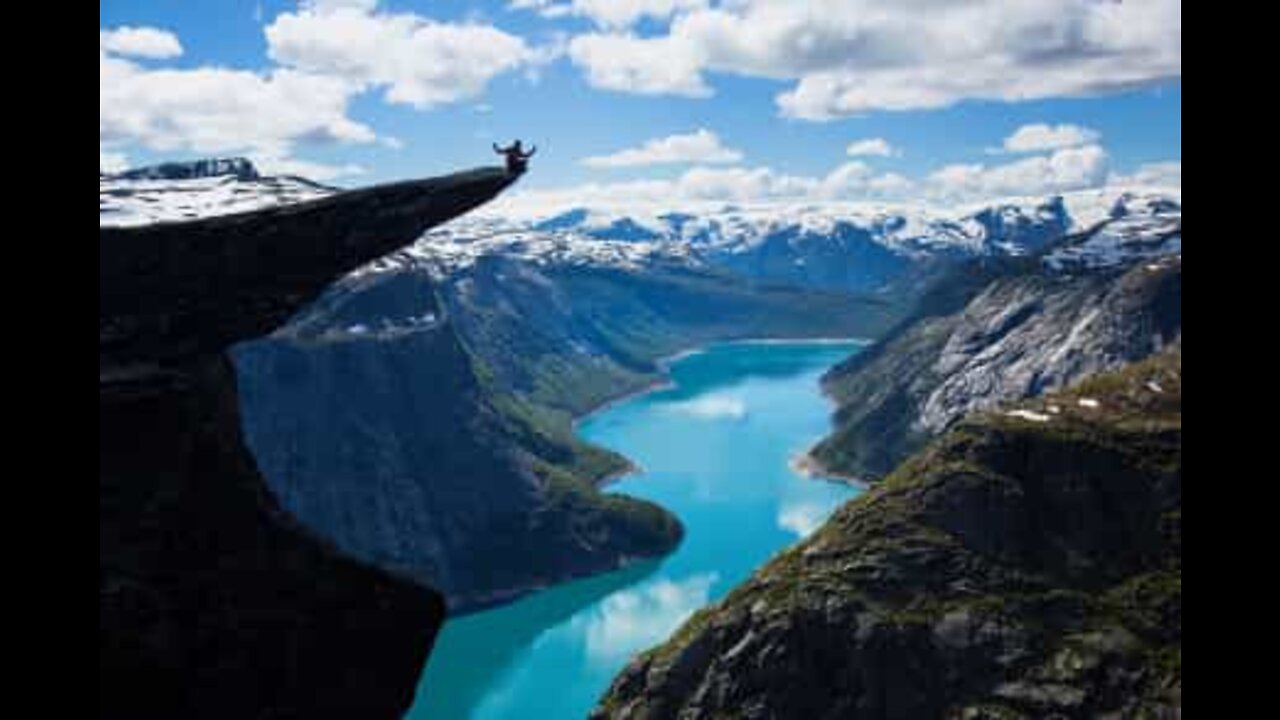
(440, 403)
(570, 338)
(1026, 564)
(1005, 328)
(213, 602)
(389, 441)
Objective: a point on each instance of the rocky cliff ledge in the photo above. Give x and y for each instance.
(1026, 564)
(213, 603)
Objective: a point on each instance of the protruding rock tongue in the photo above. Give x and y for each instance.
(173, 291)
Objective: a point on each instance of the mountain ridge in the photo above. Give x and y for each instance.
(1027, 563)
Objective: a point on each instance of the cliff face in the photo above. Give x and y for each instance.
(394, 447)
(1026, 564)
(1004, 329)
(213, 602)
(422, 418)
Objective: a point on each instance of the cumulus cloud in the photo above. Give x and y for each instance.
(645, 66)
(878, 147)
(140, 42)
(853, 56)
(609, 13)
(1065, 170)
(326, 53)
(700, 146)
(221, 110)
(418, 61)
(853, 180)
(1076, 168)
(1038, 137)
(1160, 175)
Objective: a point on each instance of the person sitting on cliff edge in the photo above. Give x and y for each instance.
(517, 158)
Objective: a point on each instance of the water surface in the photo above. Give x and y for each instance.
(715, 450)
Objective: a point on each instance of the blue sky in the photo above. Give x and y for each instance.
(754, 97)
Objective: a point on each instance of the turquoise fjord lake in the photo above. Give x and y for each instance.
(715, 448)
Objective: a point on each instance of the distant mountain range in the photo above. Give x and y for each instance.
(519, 324)
(849, 247)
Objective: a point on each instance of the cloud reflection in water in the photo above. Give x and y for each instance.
(633, 620)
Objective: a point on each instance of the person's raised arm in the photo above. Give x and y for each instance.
(533, 149)
(497, 149)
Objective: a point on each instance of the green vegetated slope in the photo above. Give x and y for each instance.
(569, 338)
(425, 423)
(1025, 564)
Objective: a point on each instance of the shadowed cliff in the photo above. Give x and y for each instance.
(214, 603)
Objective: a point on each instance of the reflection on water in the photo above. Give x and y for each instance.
(632, 620)
(712, 407)
(716, 448)
(802, 517)
(474, 652)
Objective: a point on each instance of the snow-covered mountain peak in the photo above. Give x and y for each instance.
(187, 191)
(238, 167)
(857, 246)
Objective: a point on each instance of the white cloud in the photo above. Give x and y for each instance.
(1040, 136)
(1068, 169)
(327, 52)
(890, 185)
(1160, 175)
(418, 61)
(630, 620)
(701, 146)
(112, 162)
(645, 66)
(609, 13)
(853, 180)
(1065, 170)
(140, 42)
(279, 165)
(853, 56)
(713, 407)
(220, 110)
(871, 147)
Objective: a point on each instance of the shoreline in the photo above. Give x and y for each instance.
(807, 466)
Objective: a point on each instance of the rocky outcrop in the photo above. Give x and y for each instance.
(1001, 329)
(1027, 564)
(213, 602)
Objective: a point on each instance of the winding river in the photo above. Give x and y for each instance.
(715, 447)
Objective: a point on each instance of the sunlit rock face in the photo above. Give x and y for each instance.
(1002, 329)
